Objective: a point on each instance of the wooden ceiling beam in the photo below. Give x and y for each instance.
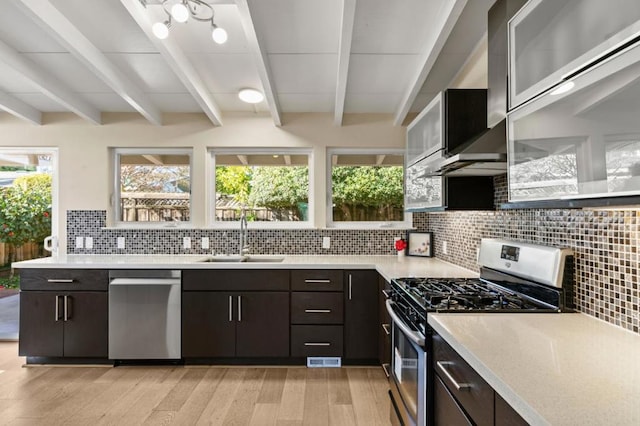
(15, 106)
(178, 62)
(48, 84)
(58, 26)
(447, 17)
(260, 59)
(344, 54)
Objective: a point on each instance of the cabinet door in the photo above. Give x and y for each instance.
(446, 409)
(506, 415)
(41, 324)
(262, 324)
(422, 190)
(425, 132)
(361, 315)
(583, 143)
(208, 324)
(549, 39)
(86, 325)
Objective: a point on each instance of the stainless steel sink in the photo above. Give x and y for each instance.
(243, 259)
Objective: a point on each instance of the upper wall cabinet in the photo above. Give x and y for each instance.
(582, 139)
(450, 120)
(425, 132)
(550, 40)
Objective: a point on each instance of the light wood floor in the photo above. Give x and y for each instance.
(189, 395)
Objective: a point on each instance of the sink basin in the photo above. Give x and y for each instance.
(243, 259)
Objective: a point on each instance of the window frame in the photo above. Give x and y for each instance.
(211, 188)
(116, 197)
(407, 223)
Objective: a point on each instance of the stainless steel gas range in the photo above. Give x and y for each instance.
(514, 277)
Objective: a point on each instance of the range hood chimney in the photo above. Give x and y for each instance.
(486, 154)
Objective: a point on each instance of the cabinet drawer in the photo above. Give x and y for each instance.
(316, 340)
(64, 279)
(235, 280)
(316, 308)
(475, 395)
(317, 280)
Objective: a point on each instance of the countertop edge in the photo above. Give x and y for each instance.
(513, 399)
(388, 266)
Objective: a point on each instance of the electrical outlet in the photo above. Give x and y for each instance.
(204, 243)
(88, 242)
(79, 242)
(186, 243)
(444, 247)
(121, 242)
(326, 242)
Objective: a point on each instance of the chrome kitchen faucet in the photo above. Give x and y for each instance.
(243, 248)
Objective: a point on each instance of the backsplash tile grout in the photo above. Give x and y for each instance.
(91, 223)
(605, 244)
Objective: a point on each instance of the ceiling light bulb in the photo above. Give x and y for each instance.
(563, 88)
(161, 30)
(219, 35)
(250, 96)
(179, 12)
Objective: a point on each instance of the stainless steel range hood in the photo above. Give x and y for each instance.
(484, 155)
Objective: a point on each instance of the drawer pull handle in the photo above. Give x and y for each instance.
(61, 280)
(385, 368)
(387, 329)
(317, 311)
(442, 365)
(386, 294)
(57, 308)
(318, 281)
(317, 344)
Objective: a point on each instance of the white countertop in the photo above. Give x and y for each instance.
(388, 266)
(557, 369)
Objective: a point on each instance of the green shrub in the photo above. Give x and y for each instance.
(25, 210)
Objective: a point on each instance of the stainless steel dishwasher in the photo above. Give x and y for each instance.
(144, 314)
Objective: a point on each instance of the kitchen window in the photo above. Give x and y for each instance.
(271, 186)
(153, 186)
(366, 188)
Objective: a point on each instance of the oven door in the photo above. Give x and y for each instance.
(408, 371)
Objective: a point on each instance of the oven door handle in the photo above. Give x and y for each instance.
(414, 336)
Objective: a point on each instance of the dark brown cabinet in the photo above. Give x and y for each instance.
(317, 313)
(57, 319)
(506, 415)
(384, 328)
(461, 396)
(235, 323)
(361, 315)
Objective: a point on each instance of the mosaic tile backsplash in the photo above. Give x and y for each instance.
(91, 223)
(605, 243)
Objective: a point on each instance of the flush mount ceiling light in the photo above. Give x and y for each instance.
(180, 11)
(250, 96)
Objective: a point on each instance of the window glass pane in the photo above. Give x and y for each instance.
(26, 202)
(155, 187)
(367, 188)
(270, 187)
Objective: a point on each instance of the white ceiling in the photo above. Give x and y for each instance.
(334, 56)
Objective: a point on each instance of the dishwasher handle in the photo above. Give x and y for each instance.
(144, 281)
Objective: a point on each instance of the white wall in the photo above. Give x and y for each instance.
(84, 162)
